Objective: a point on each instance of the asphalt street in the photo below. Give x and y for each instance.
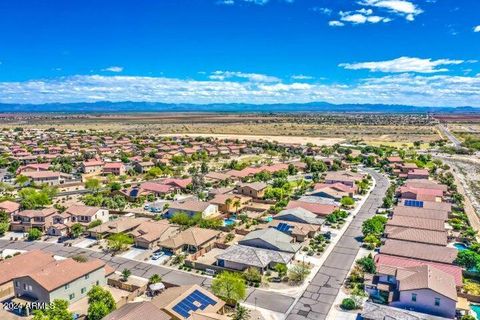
(320, 294)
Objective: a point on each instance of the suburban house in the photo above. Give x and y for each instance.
(231, 203)
(158, 189)
(149, 233)
(21, 265)
(191, 240)
(421, 213)
(271, 239)
(417, 223)
(61, 224)
(9, 207)
(92, 167)
(419, 251)
(216, 177)
(25, 220)
(416, 193)
(255, 189)
(418, 174)
(176, 303)
(422, 289)
(319, 209)
(143, 166)
(239, 257)
(51, 178)
(192, 207)
(87, 214)
(297, 230)
(115, 168)
(434, 237)
(334, 191)
(375, 311)
(63, 279)
(432, 205)
(120, 225)
(300, 215)
(345, 177)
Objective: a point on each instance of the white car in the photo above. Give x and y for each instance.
(157, 255)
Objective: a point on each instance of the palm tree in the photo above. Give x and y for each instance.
(228, 203)
(241, 313)
(237, 205)
(155, 279)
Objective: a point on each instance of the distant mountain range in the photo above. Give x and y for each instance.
(135, 107)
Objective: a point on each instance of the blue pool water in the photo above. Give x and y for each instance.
(269, 219)
(228, 222)
(460, 246)
(476, 310)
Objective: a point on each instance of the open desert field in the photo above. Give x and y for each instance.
(315, 128)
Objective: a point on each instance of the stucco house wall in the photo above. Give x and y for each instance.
(426, 303)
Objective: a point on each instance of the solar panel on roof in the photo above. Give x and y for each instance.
(194, 301)
(414, 203)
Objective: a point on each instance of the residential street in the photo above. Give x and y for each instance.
(320, 294)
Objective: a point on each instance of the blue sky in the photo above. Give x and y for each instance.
(418, 52)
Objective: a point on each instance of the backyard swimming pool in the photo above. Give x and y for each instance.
(476, 310)
(460, 246)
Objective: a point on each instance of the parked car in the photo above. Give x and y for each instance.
(157, 255)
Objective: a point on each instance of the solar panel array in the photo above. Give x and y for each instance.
(283, 227)
(414, 203)
(194, 301)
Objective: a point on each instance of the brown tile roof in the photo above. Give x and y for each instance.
(59, 273)
(420, 251)
(81, 210)
(144, 310)
(432, 205)
(317, 208)
(417, 235)
(9, 206)
(154, 230)
(38, 213)
(427, 277)
(418, 223)
(193, 236)
(23, 264)
(421, 213)
(428, 184)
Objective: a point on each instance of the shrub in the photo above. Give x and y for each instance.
(348, 304)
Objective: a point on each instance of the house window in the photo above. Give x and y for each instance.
(71, 296)
(414, 297)
(87, 276)
(437, 302)
(67, 286)
(83, 290)
(24, 286)
(16, 284)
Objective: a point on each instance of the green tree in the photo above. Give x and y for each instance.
(252, 275)
(375, 225)
(241, 313)
(21, 180)
(93, 184)
(347, 202)
(126, 273)
(372, 241)
(119, 242)
(367, 264)
(76, 230)
(94, 223)
(155, 279)
(31, 198)
(57, 310)
(34, 234)
(281, 269)
(230, 287)
(100, 303)
(298, 272)
(468, 259)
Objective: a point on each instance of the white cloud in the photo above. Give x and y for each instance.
(113, 69)
(335, 23)
(360, 18)
(301, 77)
(325, 11)
(476, 29)
(410, 89)
(403, 64)
(401, 7)
(253, 77)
